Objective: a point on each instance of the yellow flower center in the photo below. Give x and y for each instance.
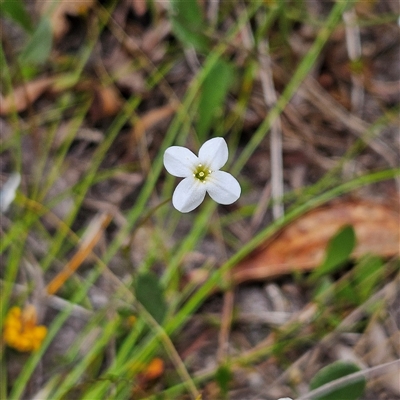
(201, 172)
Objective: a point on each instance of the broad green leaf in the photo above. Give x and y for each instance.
(338, 251)
(150, 294)
(188, 23)
(15, 9)
(213, 94)
(38, 49)
(336, 370)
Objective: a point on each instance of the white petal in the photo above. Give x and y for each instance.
(214, 153)
(7, 194)
(180, 161)
(223, 187)
(188, 194)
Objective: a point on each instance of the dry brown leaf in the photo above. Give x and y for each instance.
(152, 118)
(58, 20)
(106, 102)
(23, 96)
(301, 245)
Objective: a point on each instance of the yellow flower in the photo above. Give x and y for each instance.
(154, 370)
(20, 330)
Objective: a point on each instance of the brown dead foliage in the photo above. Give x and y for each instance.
(106, 99)
(301, 245)
(106, 102)
(23, 96)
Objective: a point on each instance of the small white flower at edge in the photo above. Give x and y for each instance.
(7, 193)
(202, 174)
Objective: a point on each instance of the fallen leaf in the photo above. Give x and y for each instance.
(106, 102)
(23, 96)
(301, 245)
(152, 118)
(58, 20)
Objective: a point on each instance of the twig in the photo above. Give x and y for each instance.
(353, 44)
(227, 308)
(226, 323)
(261, 208)
(276, 131)
(92, 236)
(212, 12)
(270, 100)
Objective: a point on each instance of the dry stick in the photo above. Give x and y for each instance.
(227, 308)
(276, 130)
(92, 236)
(226, 323)
(249, 42)
(353, 44)
(262, 206)
(212, 12)
(346, 380)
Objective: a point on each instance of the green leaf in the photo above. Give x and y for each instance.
(323, 287)
(150, 294)
(345, 295)
(367, 274)
(188, 23)
(213, 94)
(38, 49)
(223, 376)
(336, 370)
(15, 9)
(338, 251)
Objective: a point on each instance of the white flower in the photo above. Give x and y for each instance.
(7, 193)
(201, 175)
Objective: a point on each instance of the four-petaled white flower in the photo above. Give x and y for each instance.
(201, 175)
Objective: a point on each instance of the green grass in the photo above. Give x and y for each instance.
(80, 373)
